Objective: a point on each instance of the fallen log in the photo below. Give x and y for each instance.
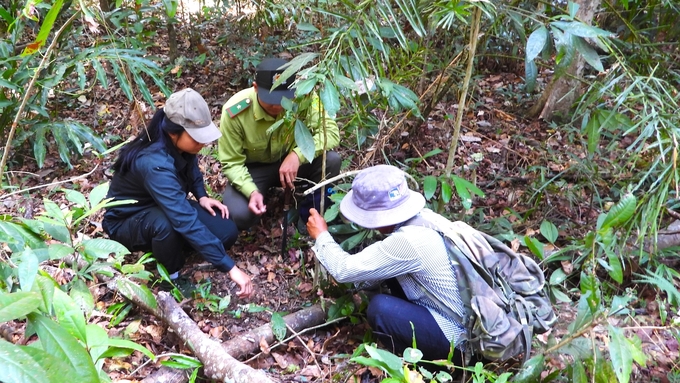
(249, 342)
(167, 375)
(217, 364)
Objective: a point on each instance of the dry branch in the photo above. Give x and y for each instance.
(249, 342)
(217, 363)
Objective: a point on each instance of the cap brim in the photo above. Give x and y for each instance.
(274, 98)
(373, 219)
(204, 135)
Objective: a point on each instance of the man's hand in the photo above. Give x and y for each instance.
(316, 224)
(256, 203)
(210, 204)
(243, 281)
(288, 170)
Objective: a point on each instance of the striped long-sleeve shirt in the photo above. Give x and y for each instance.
(410, 254)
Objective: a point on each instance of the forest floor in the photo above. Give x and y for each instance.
(498, 148)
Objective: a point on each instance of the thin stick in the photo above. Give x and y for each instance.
(330, 180)
(51, 183)
(296, 335)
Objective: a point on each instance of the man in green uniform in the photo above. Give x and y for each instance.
(254, 160)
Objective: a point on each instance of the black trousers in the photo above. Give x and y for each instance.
(265, 177)
(150, 230)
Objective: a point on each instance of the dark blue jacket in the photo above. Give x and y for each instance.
(162, 177)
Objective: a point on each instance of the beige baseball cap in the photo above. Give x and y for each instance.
(188, 109)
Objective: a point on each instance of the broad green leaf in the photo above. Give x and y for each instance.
(560, 296)
(447, 192)
(536, 42)
(69, 315)
(578, 373)
(588, 53)
(44, 286)
(331, 213)
(621, 358)
(102, 247)
(603, 370)
(636, 351)
(412, 355)
(464, 188)
(549, 231)
(531, 371)
(580, 29)
(82, 296)
(429, 187)
(305, 87)
(9, 234)
(534, 245)
(330, 98)
(590, 290)
(557, 277)
(279, 328)
(182, 362)
(615, 269)
(97, 340)
(27, 269)
(304, 140)
(530, 75)
(58, 232)
(17, 366)
(45, 29)
(130, 289)
(58, 342)
(98, 193)
(59, 250)
(52, 211)
(621, 212)
(354, 240)
(389, 362)
(76, 197)
(124, 343)
(16, 305)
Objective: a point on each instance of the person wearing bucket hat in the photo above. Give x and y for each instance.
(254, 159)
(409, 259)
(152, 178)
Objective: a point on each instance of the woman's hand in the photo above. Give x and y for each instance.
(211, 204)
(243, 281)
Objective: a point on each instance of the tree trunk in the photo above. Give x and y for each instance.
(560, 94)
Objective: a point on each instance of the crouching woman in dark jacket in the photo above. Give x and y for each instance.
(158, 170)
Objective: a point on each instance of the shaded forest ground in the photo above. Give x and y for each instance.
(511, 159)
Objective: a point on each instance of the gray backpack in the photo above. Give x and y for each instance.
(502, 291)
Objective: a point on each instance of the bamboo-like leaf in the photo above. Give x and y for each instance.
(580, 29)
(45, 29)
(124, 343)
(82, 78)
(534, 245)
(294, 66)
(100, 73)
(59, 343)
(123, 81)
(17, 305)
(592, 131)
(447, 192)
(621, 357)
(620, 213)
(388, 361)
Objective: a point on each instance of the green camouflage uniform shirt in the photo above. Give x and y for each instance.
(245, 139)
